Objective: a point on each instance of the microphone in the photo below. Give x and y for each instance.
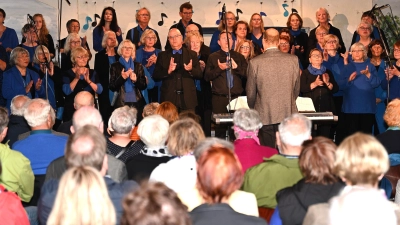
(223, 8)
(382, 7)
(69, 3)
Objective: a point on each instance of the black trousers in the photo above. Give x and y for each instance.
(352, 123)
(267, 135)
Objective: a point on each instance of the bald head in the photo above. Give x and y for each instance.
(175, 38)
(191, 28)
(86, 115)
(83, 98)
(17, 105)
(271, 38)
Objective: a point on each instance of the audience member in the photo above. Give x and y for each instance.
(17, 175)
(168, 111)
(85, 147)
(279, 171)
(179, 173)
(392, 118)
(246, 123)
(219, 174)
(17, 124)
(150, 109)
(108, 22)
(190, 114)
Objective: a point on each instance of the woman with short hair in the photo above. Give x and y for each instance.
(29, 42)
(300, 39)
(389, 138)
(72, 42)
(364, 31)
(69, 206)
(168, 111)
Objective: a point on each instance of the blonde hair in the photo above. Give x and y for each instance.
(361, 159)
(184, 135)
(252, 54)
(130, 44)
(193, 34)
(222, 24)
(146, 33)
(329, 37)
(251, 25)
(67, 45)
(105, 37)
(38, 50)
(82, 198)
(392, 113)
(78, 51)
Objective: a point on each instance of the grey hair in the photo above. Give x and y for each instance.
(87, 115)
(15, 53)
(207, 143)
(153, 131)
(326, 11)
(360, 46)
(105, 37)
(119, 51)
(122, 120)
(146, 33)
(37, 111)
(67, 45)
(371, 28)
(16, 107)
(247, 119)
(39, 50)
(3, 118)
(295, 129)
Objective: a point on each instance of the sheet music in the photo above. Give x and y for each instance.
(238, 103)
(305, 104)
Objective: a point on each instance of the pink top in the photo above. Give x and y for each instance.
(250, 153)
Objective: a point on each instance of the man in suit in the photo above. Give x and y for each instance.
(177, 68)
(186, 13)
(273, 84)
(217, 71)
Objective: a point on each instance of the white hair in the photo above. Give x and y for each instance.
(18, 105)
(153, 131)
(67, 45)
(122, 120)
(87, 115)
(37, 112)
(294, 130)
(247, 119)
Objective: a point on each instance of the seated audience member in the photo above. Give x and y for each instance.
(360, 162)
(154, 203)
(279, 171)
(363, 206)
(246, 123)
(240, 201)
(41, 145)
(17, 175)
(219, 174)
(190, 114)
(83, 98)
(389, 139)
(120, 125)
(69, 206)
(87, 115)
(17, 124)
(85, 147)
(148, 110)
(168, 111)
(318, 185)
(179, 173)
(12, 211)
(153, 131)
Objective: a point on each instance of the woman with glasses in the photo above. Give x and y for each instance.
(256, 30)
(231, 21)
(78, 78)
(30, 40)
(284, 46)
(364, 31)
(108, 22)
(127, 79)
(300, 39)
(393, 75)
(246, 48)
(72, 42)
(358, 82)
(370, 18)
(318, 83)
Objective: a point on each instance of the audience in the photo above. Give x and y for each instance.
(69, 206)
(17, 124)
(85, 147)
(392, 118)
(168, 111)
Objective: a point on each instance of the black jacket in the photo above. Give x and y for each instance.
(294, 201)
(16, 126)
(182, 29)
(312, 39)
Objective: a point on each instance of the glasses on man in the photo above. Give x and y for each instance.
(396, 50)
(174, 37)
(191, 31)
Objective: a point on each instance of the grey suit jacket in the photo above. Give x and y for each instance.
(273, 84)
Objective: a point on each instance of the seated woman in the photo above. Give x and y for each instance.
(389, 138)
(318, 83)
(318, 185)
(20, 80)
(70, 208)
(153, 131)
(393, 75)
(79, 78)
(300, 39)
(219, 174)
(361, 161)
(108, 22)
(8, 36)
(179, 173)
(120, 125)
(359, 80)
(128, 79)
(246, 123)
(30, 40)
(168, 111)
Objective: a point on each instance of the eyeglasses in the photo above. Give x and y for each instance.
(191, 31)
(144, 15)
(396, 50)
(284, 44)
(317, 56)
(75, 42)
(245, 47)
(365, 28)
(320, 34)
(127, 48)
(174, 37)
(187, 13)
(23, 56)
(224, 39)
(357, 51)
(331, 42)
(150, 38)
(82, 57)
(256, 19)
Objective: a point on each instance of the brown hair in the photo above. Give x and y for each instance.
(168, 111)
(221, 26)
(392, 113)
(241, 22)
(185, 5)
(184, 135)
(372, 44)
(251, 26)
(252, 54)
(154, 203)
(150, 109)
(298, 17)
(219, 174)
(190, 114)
(396, 44)
(317, 159)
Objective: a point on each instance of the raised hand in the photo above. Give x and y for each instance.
(325, 78)
(38, 84)
(366, 72)
(345, 57)
(172, 65)
(325, 55)
(188, 67)
(29, 86)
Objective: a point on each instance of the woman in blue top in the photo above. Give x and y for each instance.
(30, 37)
(394, 75)
(147, 56)
(231, 21)
(256, 31)
(8, 36)
(108, 22)
(358, 82)
(19, 80)
(376, 57)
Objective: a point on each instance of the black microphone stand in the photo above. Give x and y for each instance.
(229, 60)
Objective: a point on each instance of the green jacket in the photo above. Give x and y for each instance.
(266, 179)
(17, 175)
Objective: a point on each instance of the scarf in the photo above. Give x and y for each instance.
(127, 65)
(155, 152)
(295, 33)
(315, 71)
(242, 134)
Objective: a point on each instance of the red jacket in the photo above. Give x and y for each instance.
(12, 212)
